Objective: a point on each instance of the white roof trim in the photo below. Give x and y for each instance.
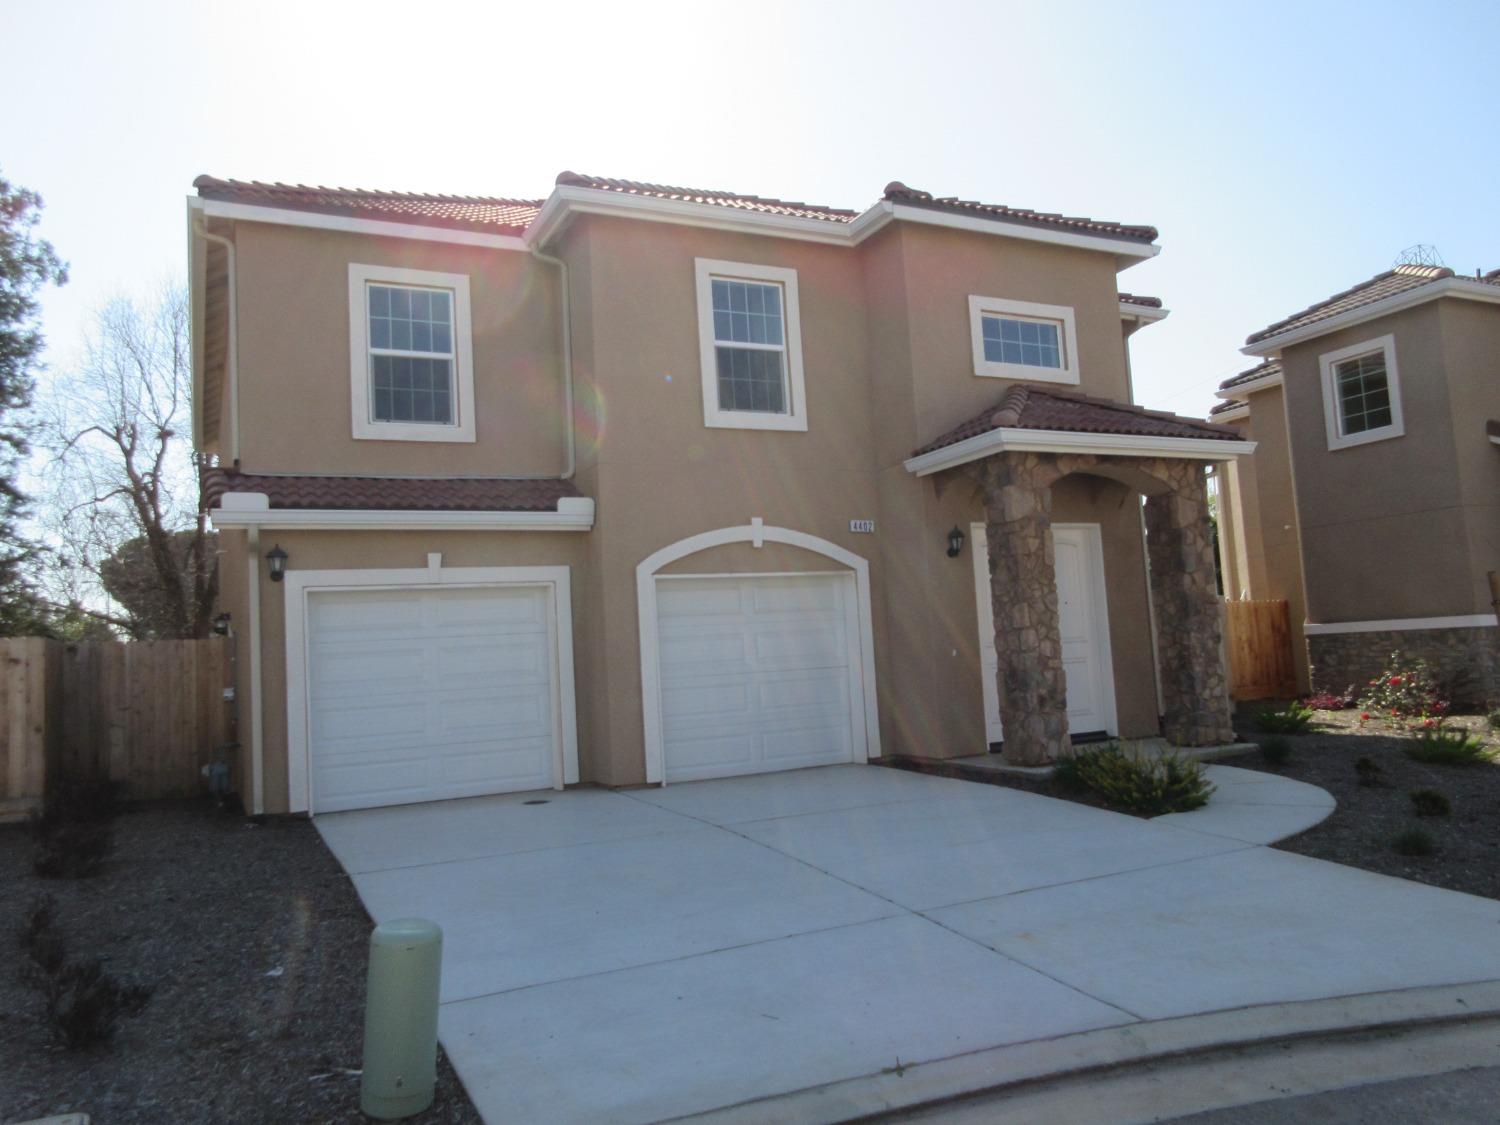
(1402, 624)
(1240, 390)
(1008, 440)
(1143, 313)
(283, 216)
(1463, 287)
(567, 200)
(1240, 410)
(250, 509)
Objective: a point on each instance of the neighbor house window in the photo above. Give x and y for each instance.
(1361, 393)
(1023, 340)
(411, 371)
(751, 347)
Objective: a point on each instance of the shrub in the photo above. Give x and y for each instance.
(83, 1003)
(1494, 720)
(1143, 784)
(1414, 841)
(1294, 720)
(1331, 701)
(1276, 750)
(1067, 774)
(73, 850)
(1443, 747)
(1369, 772)
(1429, 802)
(1404, 690)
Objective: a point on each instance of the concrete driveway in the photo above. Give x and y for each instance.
(807, 945)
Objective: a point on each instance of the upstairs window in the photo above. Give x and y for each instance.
(1361, 393)
(750, 343)
(411, 369)
(1023, 340)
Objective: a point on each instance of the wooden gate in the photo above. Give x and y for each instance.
(1258, 637)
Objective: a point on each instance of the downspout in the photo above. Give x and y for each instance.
(232, 364)
(571, 454)
(256, 709)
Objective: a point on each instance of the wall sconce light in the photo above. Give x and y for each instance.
(955, 542)
(221, 625)
(276, 560)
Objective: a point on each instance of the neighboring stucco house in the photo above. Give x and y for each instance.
(636, 484)
(1373, 501)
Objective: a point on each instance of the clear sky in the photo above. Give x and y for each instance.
(1285, 150)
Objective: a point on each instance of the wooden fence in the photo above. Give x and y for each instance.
(1258, 637)
(149, 714)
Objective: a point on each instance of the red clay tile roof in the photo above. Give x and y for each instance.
(717, 198)
(510, 216)
(1027, 406)
(1137, 299)
(1225, 407)
(1393, 281)
(1259, 371)
(897, 192)
(442, 494)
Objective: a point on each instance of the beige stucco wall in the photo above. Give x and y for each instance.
(1471, 358)
(1382, 524)
(294, 364)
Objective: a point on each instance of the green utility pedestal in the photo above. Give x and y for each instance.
(401, 1006)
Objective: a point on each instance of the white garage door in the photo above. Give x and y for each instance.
(757, 674)
(423, 695)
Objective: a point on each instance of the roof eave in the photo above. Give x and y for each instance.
(1142, 314)
(1461, 287)
(1015, 440)
(252, 509)
(323, 220)
(1240, 390)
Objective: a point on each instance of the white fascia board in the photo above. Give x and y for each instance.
(1401, 625)
(1006, 440)
(1465, 288)
(1240, 411)
(573, 514)
(1240, 390)
(1126, 253)
(1143, 313)
(282, 216)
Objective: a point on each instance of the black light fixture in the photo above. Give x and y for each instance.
(276, 560)
(221, 625)
(955, 542)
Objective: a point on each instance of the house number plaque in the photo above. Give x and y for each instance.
(865, 527)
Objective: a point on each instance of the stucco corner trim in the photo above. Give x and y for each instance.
(301, 584)
(574, 513)
(756, 533)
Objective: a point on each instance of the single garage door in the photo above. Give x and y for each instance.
(758, 673)
(428, 694)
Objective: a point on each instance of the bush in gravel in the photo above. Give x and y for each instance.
(1404, 690)
(1331, 701)
(1294, 720)
(1414, 841)
(1429, 802)
(1276, 750)
(1369, 772)
(1443, 747)
(83, 1003)
(1143, 784)
(1494, 720)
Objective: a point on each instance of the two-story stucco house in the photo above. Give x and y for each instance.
(1373, 501)
(636, 485)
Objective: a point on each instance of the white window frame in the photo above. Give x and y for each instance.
(1333, 417)
(1023, 310)
(795, 418)
(365, 428)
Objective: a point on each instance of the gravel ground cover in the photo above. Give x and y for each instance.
(1363, 828)
(255, 944)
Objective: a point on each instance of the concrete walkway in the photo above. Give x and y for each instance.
(827, 943)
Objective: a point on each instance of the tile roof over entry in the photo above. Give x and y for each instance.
(433, 494)
(1400, 279)
(1027, 406)
(462, 212)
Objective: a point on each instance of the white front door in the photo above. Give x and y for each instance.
(758, 673)
(1083, 623)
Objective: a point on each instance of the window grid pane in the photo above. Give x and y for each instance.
(747, 313)
(751, 380)
(411, 320)
(404, 387)
(1032, 343)
(410, 389)
(1363, 393)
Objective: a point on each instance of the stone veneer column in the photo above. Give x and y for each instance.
(1179, 541)
(1030, 677)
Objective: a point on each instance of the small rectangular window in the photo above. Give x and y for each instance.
(1034, 343)
(1361, 393)
(1364, 393)
(1023, 340)
(751, 345)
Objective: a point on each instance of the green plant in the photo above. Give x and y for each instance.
(1369, 772)
(1143, 784)
(1294, 720)
(1429, 802)
(1067, 775)
(1414, 841)
(1444, 747)
(1494, 720)
(1276, 750)
(1404, 690)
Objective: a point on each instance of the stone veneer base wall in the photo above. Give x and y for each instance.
(1466, 661)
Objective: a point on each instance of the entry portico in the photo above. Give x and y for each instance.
(1016, 452)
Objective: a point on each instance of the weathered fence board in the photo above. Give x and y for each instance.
(149, 714)
(1258, 637)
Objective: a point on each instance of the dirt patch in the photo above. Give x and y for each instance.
(255, 944)
(1369, 818)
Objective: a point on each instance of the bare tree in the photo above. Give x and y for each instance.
(131, 547)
